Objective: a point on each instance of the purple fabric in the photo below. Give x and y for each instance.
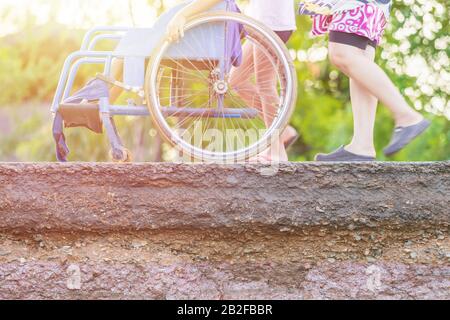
(233, 41)
(367, 21)
(284, 35)
(93, 90)
(62, 150)
(335, 5)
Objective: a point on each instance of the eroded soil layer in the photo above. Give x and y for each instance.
(311, 263)
(165, 231)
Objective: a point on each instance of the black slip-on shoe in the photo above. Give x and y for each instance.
(402, 136)
(342, 155)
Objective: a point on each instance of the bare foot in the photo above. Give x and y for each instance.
(270, 156)
(288, 134)
(260, 158)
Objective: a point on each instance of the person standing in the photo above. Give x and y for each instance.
(355, 29)
(280, 17)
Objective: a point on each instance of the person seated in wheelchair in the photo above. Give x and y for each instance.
(254, 63)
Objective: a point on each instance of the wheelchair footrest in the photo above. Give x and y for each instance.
(81, 115)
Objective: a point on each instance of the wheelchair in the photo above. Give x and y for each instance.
(186, 88)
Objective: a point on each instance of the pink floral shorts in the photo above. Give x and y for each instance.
(368, 21)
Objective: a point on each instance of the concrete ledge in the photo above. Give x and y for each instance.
(166, 231)
(87, 197)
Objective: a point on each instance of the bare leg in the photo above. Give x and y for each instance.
(368, 74)
(240, 81)
(364, 106)
(266, 83)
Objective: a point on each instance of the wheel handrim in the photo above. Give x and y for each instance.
(221, 87)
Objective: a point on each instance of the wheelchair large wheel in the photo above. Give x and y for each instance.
(225, 92)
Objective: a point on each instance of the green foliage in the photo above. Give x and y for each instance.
(323, 114)
(31, 61)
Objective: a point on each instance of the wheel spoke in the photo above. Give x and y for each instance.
(201, 101)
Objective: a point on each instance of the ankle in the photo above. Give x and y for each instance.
(407, 120)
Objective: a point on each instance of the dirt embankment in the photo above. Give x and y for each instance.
(203, 231)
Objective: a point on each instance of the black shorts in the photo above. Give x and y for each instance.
(352, 39)
(284, 35)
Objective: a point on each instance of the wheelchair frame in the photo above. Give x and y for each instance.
(89, 55)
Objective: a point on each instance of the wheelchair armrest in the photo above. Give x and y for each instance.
(100, 37)
(110, 30)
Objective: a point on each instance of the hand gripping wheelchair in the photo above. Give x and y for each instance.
(204, 94)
